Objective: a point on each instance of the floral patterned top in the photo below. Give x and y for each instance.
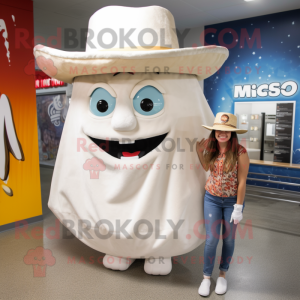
(223, 184)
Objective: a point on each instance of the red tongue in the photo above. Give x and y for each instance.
(128, 154)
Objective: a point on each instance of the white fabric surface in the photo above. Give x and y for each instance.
(124, 194)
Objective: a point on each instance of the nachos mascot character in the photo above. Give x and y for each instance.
(127, 180)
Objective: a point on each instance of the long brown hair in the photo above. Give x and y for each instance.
(212, 151)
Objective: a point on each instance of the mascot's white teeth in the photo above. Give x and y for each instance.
(126, 141)
(132, 157)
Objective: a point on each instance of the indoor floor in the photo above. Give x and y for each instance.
(266, 268)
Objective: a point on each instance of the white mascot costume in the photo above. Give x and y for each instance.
(127, 179)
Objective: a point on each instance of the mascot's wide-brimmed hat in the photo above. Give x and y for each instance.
(131, 39)
(225, 122)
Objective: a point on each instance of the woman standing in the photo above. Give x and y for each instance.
(228, 163)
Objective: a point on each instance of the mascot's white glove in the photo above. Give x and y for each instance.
(237, 214)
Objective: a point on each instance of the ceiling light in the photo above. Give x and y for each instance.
(248, 0)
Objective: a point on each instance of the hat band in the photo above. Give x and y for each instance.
(138, 48)
(224, 125)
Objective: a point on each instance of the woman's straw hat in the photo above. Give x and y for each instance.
(225, 122)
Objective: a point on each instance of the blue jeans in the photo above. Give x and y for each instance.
(218, 210)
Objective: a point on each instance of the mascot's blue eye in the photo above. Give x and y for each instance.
(102, 102)
(148, 101)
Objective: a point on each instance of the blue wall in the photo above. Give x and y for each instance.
(278, 58)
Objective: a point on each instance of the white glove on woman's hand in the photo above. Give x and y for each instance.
(237, 214)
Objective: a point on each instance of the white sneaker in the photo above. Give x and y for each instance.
(158, 266)
(221, 286)
(117, 263)
(204, 288)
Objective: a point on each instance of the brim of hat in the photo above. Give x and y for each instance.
(225, 128)
(63, 65)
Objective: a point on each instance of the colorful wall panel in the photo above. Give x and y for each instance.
(20, 194)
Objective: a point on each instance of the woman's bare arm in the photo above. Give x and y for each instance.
(200, 147)
(243, 163)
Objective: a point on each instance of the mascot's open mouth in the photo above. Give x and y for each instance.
(129, 149)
